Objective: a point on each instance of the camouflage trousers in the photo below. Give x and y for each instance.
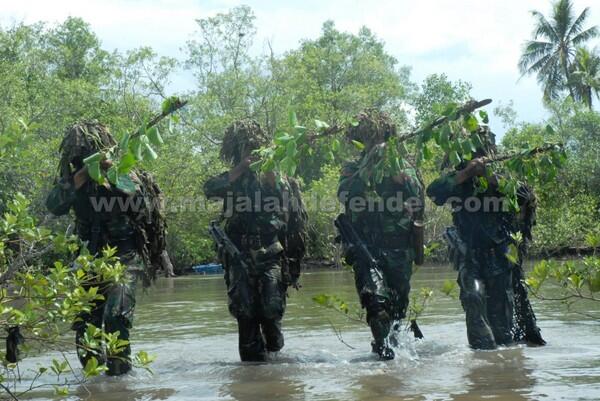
(115, 314)
(486, 294)
(259, 329)
(385, 299)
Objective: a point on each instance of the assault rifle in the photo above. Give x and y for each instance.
(240, 295)
(369, 268)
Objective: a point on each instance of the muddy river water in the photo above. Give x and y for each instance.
(185, 323)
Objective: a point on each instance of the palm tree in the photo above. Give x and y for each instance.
(585, 76)
(552, 50)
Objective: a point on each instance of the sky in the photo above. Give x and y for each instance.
(478, 41)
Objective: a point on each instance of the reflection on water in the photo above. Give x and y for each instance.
(185, 323)
(500, 374)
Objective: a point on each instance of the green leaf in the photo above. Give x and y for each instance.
(358, 145)
(113, 175)
(471, 123)
(291, 149)
(94, 171)
(124, 144)
(484, 116)
(96, 157)
(281, 138)
(335, 145)
(513, 254)
(126, 163)
(149, 152)
(454, 158)
(476, 141)
(154, 136)
(321, 124)
(126, 184)
(135, 146)
(293, 119)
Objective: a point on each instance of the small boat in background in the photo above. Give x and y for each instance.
(210, 268)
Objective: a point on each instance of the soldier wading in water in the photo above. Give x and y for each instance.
(389, 233)
(138, 235)
(492, 294)
(264, 226)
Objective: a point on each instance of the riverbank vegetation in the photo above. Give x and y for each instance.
(54, 75)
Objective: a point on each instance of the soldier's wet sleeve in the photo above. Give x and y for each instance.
(61, 197)
(350, 184)
(443, 188)
(217, 187)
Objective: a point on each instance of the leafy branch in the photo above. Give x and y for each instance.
(293, 143)
(131, 149)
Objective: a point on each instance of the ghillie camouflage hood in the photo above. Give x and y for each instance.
(241, 137)
(488, 140)
(373, 126)
(81, 140)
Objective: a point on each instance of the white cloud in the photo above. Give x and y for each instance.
(477, 41)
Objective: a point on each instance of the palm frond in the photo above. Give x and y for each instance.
(544, 28)
(585, 36)
(577, 25)
(542, 65)
(562, 17)
(534, 51)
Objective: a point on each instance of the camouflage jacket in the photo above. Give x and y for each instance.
(250, 207)
(384, 212)
(102, 215)
(483, 219)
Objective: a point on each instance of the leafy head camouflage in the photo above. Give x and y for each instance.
(83, 139)
(372, 126)
(240, 138)
(488, 140)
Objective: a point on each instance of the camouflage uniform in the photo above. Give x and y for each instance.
(387, 233)
(99, 228)
(485, 274)
(258, 223)
(255, 231)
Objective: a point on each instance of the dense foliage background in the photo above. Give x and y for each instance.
(54, 75)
